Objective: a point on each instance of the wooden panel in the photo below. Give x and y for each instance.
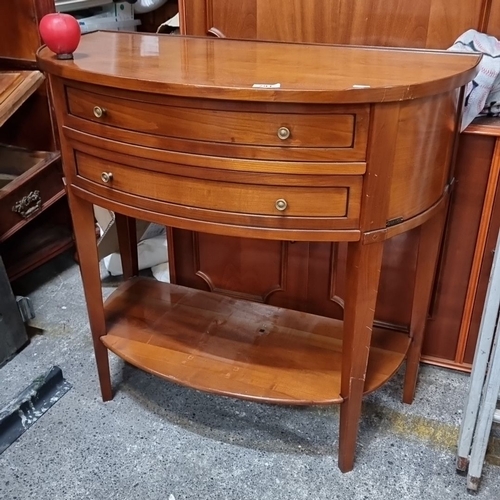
(376, 22)
(483, 279)
(398, 23)
(313, 21)
(19, 21)
(232, 19)
(193, 17)
(31, 126)
(449, 19)
(492, 22)
(424, 149)
(397, 280)
(214, 266)
(15, 88)
(472, 169)
(305, 276)
(387, 23)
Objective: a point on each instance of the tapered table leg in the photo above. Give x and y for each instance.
(127, 239)
(428, 249)
(82, 214)
(363, 272)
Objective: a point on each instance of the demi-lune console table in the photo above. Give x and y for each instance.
(290, 142)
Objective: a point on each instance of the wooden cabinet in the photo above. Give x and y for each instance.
(34, 217)
(247, 162)
(321, 268)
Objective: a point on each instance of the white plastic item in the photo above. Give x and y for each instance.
(143, 6)
(89, 24)
(71, 5)
(161, 272)
(151, 252)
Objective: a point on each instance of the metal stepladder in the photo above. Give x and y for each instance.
(480, 409)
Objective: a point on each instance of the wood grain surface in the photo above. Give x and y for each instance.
(237, 348)
(15, 88)
(229, 69)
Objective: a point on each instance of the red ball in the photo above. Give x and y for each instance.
(61, 33)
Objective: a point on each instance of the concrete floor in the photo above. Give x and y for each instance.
(156, 440)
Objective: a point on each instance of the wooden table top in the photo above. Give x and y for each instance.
(231, 69)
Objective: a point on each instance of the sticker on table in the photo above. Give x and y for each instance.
(266, 85)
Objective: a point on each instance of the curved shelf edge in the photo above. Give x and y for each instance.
(238, 348)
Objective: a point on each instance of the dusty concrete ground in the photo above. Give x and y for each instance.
(156, 440)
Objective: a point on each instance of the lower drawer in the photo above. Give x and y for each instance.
(336, 198)
(32, 181)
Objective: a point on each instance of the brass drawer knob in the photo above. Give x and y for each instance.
(283, 133)
(281, 204)
(99, 112)
(106, 177)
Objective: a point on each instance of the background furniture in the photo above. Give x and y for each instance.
(317, 157)
(215, 263)
(473, 223)
(29, 159)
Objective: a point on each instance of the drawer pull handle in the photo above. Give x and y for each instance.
(99, 112)
(283, 133)
(106, 177)
(281, 204)
(28, 205)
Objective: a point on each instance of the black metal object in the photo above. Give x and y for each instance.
(33, 402)
(25, 307)
(12, 330)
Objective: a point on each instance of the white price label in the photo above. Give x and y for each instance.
(266, 85)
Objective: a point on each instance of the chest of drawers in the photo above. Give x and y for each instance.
(272, 141)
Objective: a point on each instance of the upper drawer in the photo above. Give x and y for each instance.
(231, 129)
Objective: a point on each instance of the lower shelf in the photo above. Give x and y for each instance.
(235, 347)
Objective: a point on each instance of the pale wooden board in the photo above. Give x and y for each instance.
(15, 88)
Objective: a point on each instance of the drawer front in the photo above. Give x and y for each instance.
(241, 201)
(29, 195)
(340, 128)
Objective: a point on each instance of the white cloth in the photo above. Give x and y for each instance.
(482, 95)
